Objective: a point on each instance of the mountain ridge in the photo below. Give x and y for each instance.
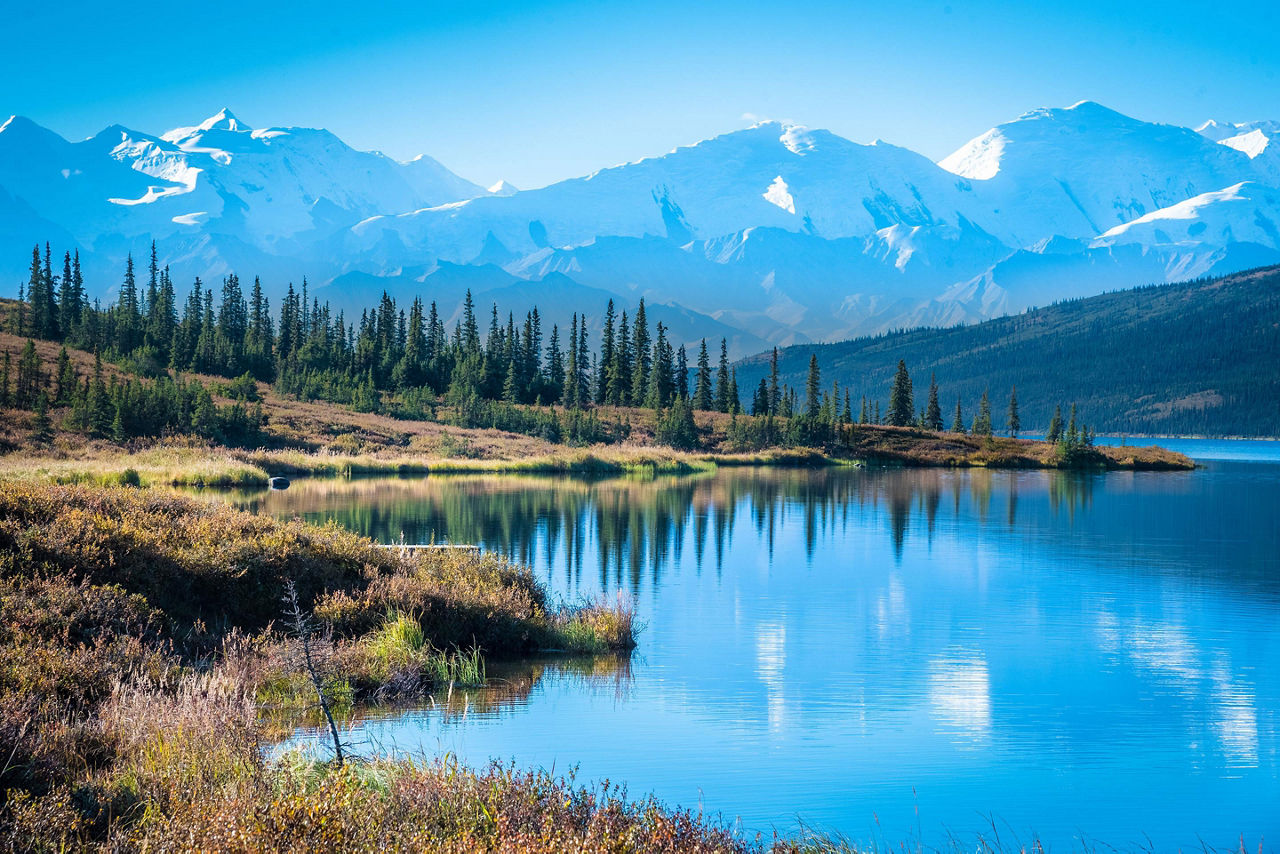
(815, 236)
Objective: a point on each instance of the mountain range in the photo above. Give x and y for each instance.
(775, 234)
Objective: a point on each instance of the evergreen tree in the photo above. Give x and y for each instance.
(676, 427)
(722, 379)
(68, 296)
(901, 404)
(1073, 434)
(702, 384)
(1015, 423)
(153, 283)
(775, 390)
(982, 422)
(30, 378)
(66, 378)
(470, 330)
(933, 412)
(606, 355)
(957, 424)
(760, 400)
(1054, 434)
(41, 426)
(618, 374)
(641, 347)
(99, 401)
(555, 366)
(812, 388)
(127, 320)
(682, 373)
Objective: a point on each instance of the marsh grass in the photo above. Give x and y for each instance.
(594, 626)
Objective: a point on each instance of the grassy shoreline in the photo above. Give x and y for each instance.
(192, 464)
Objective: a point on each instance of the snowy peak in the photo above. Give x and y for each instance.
(224, 119)
(1085, 124)
(503, 188)
(1252, 143)
(1085, 169)
(1219, 131)
(221, 122)
(1242, 213)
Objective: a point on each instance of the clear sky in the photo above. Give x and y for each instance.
(536, 92)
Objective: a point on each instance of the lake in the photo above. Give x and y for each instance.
(890, 654)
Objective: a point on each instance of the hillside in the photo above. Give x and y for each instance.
(1199, 357)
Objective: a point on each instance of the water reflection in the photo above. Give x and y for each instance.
(1066, 651)
(629, 531)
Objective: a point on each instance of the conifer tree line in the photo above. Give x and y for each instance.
(407, 362)
(902, 413)
(393, 359)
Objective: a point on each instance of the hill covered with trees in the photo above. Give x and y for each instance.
(1194, 358)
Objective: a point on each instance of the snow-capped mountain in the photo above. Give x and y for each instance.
(274, 190)
(779, 232)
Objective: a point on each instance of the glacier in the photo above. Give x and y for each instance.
(773, 234)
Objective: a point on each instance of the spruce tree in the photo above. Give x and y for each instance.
(641, 348)
(66, 378)
(982, 422)
(812, 388)
(760, 400)
(1054, 435)
(127, 315)
(68, 299)
(619, 373)
(555, 366)
(571, 370)
(682, 373)
(1015, 423)
(30, 379)
(722, 379)
(933, 412)
(606, 355)
(41, 425)
(702, 384)
(775, 391)
(901, 405)
(957, 425)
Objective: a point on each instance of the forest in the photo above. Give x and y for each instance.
(1200, 357)
(408, 364)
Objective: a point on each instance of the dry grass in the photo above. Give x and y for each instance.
(131, 697)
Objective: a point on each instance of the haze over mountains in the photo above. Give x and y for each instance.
(773, 234)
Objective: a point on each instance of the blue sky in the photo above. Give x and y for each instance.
(538, 92)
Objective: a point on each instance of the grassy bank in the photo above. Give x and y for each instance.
(143, 665)
(182, 463)
(178, 462)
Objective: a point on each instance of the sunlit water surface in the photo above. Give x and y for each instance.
(1078, 656)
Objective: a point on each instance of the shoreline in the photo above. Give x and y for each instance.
(178, 464)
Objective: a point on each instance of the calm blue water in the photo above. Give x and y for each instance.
(1079, 656)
